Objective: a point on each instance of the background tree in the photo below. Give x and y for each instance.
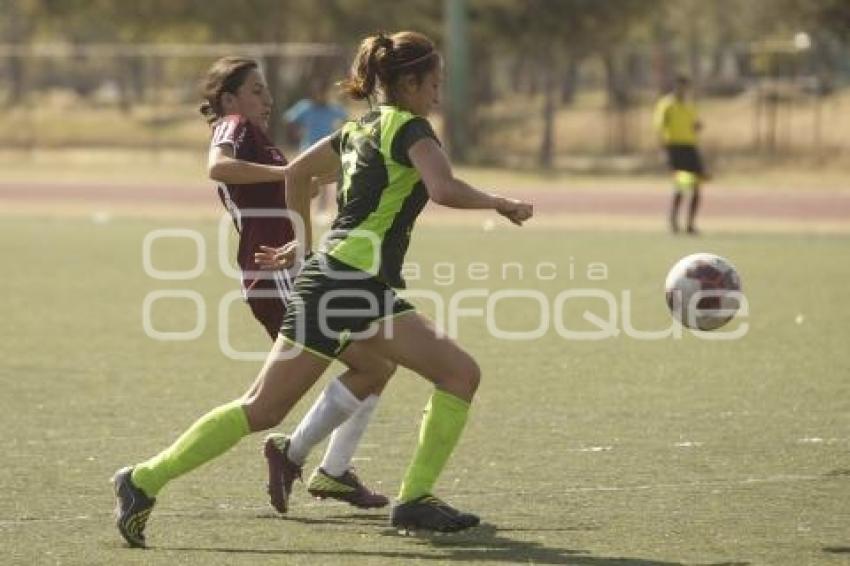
(557, 35)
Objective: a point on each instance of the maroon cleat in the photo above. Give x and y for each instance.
(347, 488)
(282, 471)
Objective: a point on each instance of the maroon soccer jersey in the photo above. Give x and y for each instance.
(249, 205)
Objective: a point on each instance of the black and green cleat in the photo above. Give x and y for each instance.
(347, 488)
(430, 513)
(132, 508)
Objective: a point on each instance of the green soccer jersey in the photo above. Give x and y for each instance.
(380, 194)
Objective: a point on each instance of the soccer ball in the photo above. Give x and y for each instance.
(703, 291)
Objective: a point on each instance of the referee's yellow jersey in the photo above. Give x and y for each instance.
(676, 121)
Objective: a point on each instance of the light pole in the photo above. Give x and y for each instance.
(457, 81)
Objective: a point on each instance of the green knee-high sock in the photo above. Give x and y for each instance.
(444, 419)
(208, 437)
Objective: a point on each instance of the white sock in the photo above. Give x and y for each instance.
(347, 437)
(331, 409)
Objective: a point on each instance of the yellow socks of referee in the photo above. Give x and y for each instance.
(210, 436)
(443, 421)
(685, 180)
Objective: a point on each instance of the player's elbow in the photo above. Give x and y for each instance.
(441, 199)
(219, 169)
(298, 180)
(215, 171)
(441, 193)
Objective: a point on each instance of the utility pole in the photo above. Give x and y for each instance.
(456, 103)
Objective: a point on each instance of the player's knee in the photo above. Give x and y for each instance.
(468, 374)
(474, 375)
(382, 371)
(379, 369)
(386, 368)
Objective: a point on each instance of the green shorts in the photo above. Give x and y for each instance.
(333, 303)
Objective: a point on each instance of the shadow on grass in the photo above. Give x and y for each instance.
(380, 520)
(372, 520)
(488, 542)
(838, 473)
(481, 543)
(837, 549)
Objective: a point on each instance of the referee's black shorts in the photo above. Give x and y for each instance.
(683, 157)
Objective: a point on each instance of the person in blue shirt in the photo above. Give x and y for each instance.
(310, 120)
(315, 117)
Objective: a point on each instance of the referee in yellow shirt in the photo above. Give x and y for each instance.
(676, 122)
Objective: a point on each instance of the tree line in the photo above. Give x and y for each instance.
(543, 43)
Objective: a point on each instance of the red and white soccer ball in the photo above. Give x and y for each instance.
(703, 291)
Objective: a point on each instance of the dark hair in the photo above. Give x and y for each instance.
(382, 59)
(225, 75)
(682, 79)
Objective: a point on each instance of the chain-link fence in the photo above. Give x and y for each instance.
(780, 100)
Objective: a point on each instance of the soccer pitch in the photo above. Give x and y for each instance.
(617, 451)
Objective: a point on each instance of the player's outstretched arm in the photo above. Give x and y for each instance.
(222, 166)
(319, 161)
(429, 159)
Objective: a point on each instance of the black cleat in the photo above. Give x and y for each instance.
(431, 514)
(132, 508)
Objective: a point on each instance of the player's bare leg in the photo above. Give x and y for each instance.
(693, 207)
(285, 377)
(675, 204)
(413, 342)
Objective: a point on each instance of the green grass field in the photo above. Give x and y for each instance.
(618, 452)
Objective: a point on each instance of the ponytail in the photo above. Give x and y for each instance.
(366, 67)
(208, 113)
(382, 59)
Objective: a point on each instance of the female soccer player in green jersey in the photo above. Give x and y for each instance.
(391, 164)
